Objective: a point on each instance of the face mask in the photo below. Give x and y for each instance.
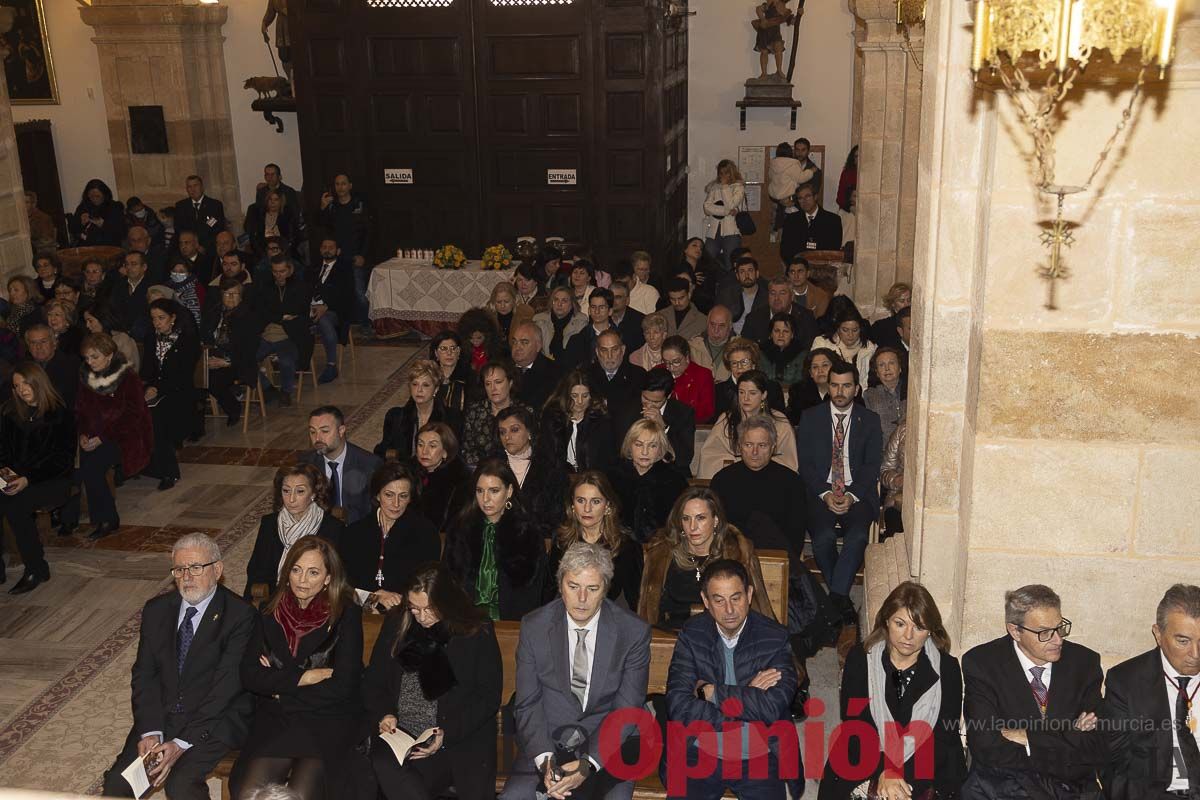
(179, 277)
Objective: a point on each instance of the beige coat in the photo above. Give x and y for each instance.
(717, 451)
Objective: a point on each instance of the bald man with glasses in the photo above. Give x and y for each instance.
(189, 708)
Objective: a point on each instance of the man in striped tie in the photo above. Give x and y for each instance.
(579, 658)
(189, 708)
(1030, 706)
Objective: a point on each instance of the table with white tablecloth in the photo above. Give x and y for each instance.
(413, 294)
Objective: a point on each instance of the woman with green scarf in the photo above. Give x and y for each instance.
(493, 549)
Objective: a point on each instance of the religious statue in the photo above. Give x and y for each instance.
(277, 13)
(771, 15)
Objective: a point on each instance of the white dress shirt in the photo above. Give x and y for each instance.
(1178, 780)
(589, 644)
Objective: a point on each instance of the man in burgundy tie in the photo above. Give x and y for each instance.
(1030, 706)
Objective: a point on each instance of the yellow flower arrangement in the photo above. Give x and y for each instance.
(449, 256)
(497, 257)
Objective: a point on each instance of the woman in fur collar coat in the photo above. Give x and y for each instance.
(114, 429)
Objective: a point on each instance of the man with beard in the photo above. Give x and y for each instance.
(189, 708)
(746, 294)
(346, 466)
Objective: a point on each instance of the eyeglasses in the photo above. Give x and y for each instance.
(1046, 634)
(195, 570)
(450, 348)
(742, 362)
(675, 363)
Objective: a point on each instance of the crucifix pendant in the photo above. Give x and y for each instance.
(697, 573)
(379, 577)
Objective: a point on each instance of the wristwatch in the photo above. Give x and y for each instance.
(700, 691)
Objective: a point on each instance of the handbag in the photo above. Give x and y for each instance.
(745, 222)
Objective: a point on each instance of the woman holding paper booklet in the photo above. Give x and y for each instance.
(304, 665)
(435, 672)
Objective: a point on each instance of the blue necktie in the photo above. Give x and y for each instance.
(184, 640)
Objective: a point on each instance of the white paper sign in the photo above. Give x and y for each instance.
(561, 177)
(753, 198)
(750, 164)
(394, 176)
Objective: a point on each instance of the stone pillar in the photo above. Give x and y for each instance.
(1058, 447)
(168, 53)
(15, 249)
(888, 128)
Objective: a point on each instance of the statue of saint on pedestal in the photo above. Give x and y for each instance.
(771, 15)
(277, 13)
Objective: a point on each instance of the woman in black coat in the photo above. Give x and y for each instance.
(169, 376)
(98, 219)
(646, 479)
(304, 665)
(494, 523)
(383, 550)
(37, 442)
(540, 476)
(446, 349)
(901, 675)
(444, 477)
(301, 509)
(231, 329)
(402, 422)
(436, 665)
(576, 425)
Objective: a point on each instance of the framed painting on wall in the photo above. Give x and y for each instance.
(28, 67)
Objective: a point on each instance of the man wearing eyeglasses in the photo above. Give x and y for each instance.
(1030, 706)
(189, 708)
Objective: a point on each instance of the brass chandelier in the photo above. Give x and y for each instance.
(1038, 48)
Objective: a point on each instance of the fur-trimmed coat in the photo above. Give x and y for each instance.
(112, 405)
(520, 558)
(658, 561)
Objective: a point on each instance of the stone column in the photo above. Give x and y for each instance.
(1054, 446)
(889, 138)
(168, 53)
(15, 249)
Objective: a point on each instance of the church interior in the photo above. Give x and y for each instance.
(1019, 201)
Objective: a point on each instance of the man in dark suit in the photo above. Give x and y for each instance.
(200, 213)
(613, 377)
(579, 658)
(582, 346)
(285, 305)
(676, 416)
(780, 300)
(62, 368)
(129, 296)
(1029, 705)
(813, 228)
(138, 238)
(189, 708)
(743, 295)
(626, 320)
(332, 301)
(1153, 748)
(730, 653)
(346, 466)
(840, 446)
(537, 376)
(200, 263)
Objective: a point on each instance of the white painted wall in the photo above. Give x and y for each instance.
(722, 57)
(78, 122)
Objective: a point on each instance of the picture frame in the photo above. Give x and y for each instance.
(28, 65)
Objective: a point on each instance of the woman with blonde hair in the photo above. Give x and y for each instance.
(304, 666)
(558, 324)
(902, 675)
(401, 424)
(697, 532)
(646, 479)
(886, 332)
(24, 303)
(37, 443)
(654, 330)
(593, 515)
(722, 199)
(60, 316)
(503, 303)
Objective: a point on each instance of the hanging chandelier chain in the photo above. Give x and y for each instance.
(1126, 115)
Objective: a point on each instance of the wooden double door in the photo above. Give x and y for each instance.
(474, 122)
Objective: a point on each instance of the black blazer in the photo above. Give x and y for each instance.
(623, 392)
(245, 328)
(814, 438)
(215, 707)
(206, 223)
(132, 307)
(337, 291)
(825, 233)
(998, 693)
(536, 384)
(804, 325)
(630, 329)
(400, 427)
(725, 395)
(729, 294)
(411, 541)
(442, 491)
(175, 379)
(38, 448)
(263, 566)
(1140, 746)
(596, 442)
(294, 301)
(355, 479)
(466, 713)
(949, 762)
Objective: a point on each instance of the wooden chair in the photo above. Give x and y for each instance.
(253, 393)
(310, 372)
(349, 345)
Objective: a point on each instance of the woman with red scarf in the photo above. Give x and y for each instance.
(304, 664)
